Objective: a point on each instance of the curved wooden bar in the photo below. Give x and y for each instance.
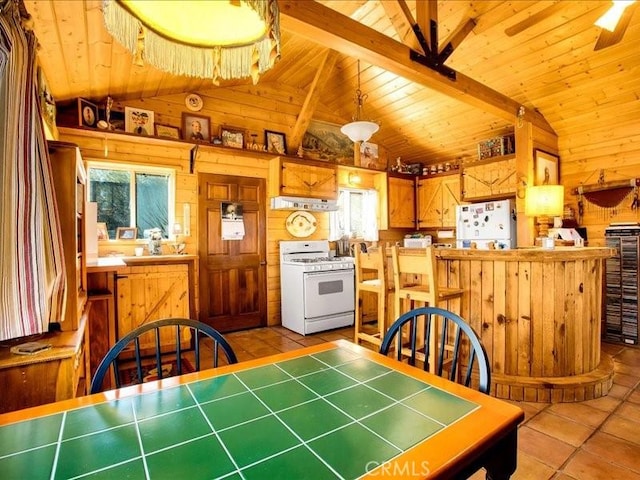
(538, 313)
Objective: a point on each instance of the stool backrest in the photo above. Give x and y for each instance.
(370, 265)
(409, 263)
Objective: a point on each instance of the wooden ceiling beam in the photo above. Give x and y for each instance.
(327, 27)
(403, 22)
(313, 97)
(427, 18)
(455, 39)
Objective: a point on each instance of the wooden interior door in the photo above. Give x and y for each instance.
(233, 285)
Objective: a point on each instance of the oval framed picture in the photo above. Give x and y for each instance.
(193, 102)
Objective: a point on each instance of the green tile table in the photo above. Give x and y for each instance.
(330, 411)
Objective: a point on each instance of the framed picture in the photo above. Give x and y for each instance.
(126, 233)
(325, 141)
(116, 121)
(370, 158)
(276, 142)
(196, 127)
(545, 167)
(87, 113)
(103, 233)
(167, 131)
(138, 121)
(232, 137)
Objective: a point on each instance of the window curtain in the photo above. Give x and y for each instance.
(32, 277)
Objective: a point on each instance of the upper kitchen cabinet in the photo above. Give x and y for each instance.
(305, 179)
(69, 178)
(493, 178)
(437, 201)
(401, 192)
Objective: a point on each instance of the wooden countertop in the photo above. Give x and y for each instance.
(532, 254)
(106, 264)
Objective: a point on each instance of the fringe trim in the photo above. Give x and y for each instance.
(218, 62)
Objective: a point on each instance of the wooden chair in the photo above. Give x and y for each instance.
(458, 364)
(415, 279)
(371, 276)
(162, 354)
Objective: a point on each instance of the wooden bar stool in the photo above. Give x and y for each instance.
(370, 273)
(415, 278)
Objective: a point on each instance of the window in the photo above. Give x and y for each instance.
(356, 215)
(132, 196)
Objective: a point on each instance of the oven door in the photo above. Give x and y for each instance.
(328, 293)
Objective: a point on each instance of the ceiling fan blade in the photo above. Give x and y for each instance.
(607, 38)
(533, 19)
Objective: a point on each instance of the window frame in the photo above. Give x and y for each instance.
(133, 169)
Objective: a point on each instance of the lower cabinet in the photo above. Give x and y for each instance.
(57, 373)
(148, 293)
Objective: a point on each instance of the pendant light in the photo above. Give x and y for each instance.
(359, 130)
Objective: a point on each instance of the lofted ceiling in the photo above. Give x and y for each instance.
(538, 54)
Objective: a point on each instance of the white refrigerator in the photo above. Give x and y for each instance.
(487, 225)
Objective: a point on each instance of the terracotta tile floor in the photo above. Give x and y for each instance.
(591, 440)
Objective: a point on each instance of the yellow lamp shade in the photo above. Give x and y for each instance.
(544, 200)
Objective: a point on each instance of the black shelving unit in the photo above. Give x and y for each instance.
(622, 285)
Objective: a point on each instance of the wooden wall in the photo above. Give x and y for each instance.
(589, 147)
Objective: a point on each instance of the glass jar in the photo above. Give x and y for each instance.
(155, 241)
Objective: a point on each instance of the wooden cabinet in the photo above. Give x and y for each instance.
(69, 180)
(437, 201)
(147, 293)
(401, 192)
(308, 179)
(48, 376)
(490, 179)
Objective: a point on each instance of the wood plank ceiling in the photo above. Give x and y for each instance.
(549, 66)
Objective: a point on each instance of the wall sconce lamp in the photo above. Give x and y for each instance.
(354, 178)
(542, 202)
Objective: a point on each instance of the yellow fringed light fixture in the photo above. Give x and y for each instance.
(217, 39)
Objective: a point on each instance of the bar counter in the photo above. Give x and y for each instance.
(538, 313)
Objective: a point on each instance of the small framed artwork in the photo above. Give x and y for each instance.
(232, 137)
(103, 233)
(138, 121)
(126, 233)
(370, 158)
(167, 131)
(196, 127)
(545, 166)
(276, 142)
(87, 113)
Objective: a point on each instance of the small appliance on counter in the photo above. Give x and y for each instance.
(488, 225)
(421, 242)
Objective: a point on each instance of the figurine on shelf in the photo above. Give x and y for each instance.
(300, 151)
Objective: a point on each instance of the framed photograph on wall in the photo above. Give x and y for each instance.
(126, 233)
(87, 113)
(196, 127)
(276, 142)
(232, 137)
(545, 167)
(138, 121)
(103, 232)
(167, 131)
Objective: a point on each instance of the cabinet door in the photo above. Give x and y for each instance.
(304, 180)
(151, 293)
(496, 178)
(429, 193)
(450, 199)
(402, 199)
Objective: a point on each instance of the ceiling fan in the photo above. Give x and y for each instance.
(614, 22)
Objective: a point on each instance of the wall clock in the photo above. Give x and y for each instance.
(301, 224)
(193, 102)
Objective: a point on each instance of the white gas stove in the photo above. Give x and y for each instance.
(317, 290)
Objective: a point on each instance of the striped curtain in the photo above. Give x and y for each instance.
(32, 276)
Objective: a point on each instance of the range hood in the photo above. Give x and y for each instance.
(301, 203)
